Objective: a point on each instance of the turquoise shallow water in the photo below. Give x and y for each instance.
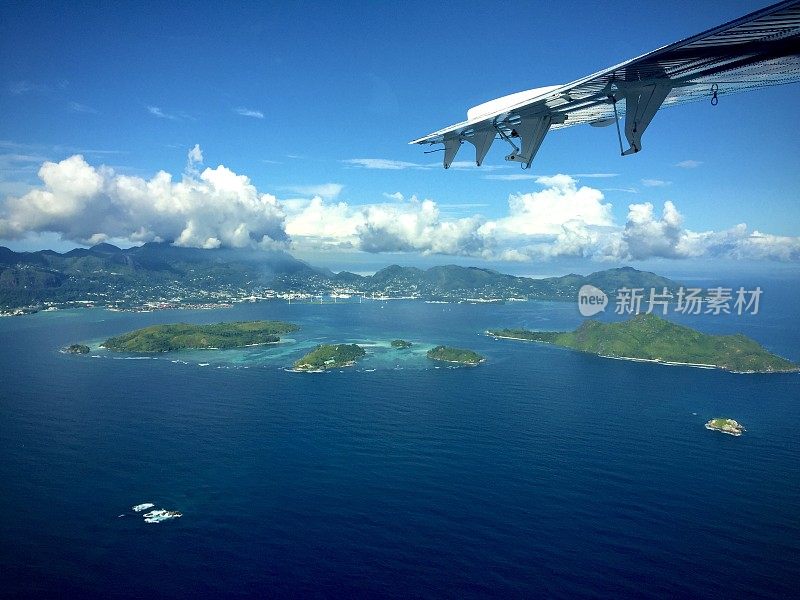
(542, 472)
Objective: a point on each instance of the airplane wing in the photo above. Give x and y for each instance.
(758, 50)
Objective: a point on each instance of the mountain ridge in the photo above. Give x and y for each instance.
(159, 271)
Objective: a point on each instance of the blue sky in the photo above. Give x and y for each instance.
(287, 94)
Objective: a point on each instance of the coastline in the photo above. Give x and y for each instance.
(669, 363)
(301, 369)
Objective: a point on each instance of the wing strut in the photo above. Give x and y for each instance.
(532, 131)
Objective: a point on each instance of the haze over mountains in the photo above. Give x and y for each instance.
(161, 272)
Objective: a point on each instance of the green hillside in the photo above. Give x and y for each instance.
(455, 355)
(653, 338)
(181, 336)
(330, 356)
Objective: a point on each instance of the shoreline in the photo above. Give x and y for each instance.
(668, 363)
(301, 369)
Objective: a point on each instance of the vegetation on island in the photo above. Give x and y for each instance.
(648, 337)
(330, 356)
(77, 349)
(131, 278)
(455, 355)
(182, 336)
(728, 426)
(401, 344)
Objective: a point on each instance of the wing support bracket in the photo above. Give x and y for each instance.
(641, 104)
(451, 146)
(532, 131)
(482, 140)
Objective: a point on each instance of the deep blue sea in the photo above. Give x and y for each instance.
(541, 473)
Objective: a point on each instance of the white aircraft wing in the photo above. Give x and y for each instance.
(758, 50)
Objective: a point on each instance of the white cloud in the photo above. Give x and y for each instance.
(318, 223)
(562, 202)
(688, 164)
(85, 204)
(194, 158)
(627, 190)
(247, 112)
(212, 207)
(383, 164)
(395, 196)
(157, 112)
(655, 183)
(646, 235)
(413, 226)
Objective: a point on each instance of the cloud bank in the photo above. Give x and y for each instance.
(88, 205)
(213, 207)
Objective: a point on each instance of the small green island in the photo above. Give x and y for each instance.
(651, 338)
(184, 336)
(401, 344)
(728, 426)
(77, 349)
(455, 355)
(330, 356)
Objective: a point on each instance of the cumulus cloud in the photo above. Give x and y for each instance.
(395, 196)
(560, 203)
(647, 235)
(212, 207)
(89, 204)
(404, 226)
(248, 112)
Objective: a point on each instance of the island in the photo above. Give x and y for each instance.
(401, 344)
(651, 338)
(330, 356)
(77, 349)
(184, 336)
(728, 426)
(455, 355)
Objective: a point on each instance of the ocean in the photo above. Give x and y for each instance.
(541, 473)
